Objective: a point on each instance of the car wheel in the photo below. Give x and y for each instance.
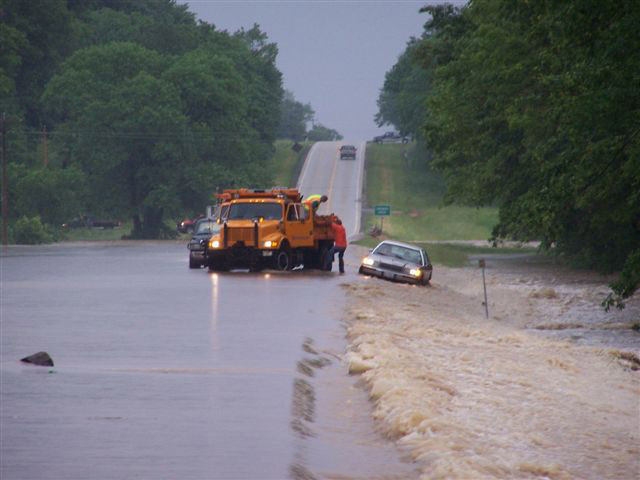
(193, 263)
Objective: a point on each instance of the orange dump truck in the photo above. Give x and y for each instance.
(268, 229)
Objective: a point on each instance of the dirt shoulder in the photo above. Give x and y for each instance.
(547, 387)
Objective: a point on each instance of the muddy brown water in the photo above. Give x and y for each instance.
(165, 372)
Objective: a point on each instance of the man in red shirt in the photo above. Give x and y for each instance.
(339, 245)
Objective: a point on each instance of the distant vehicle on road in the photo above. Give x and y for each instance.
(398, 261)
(390, 137)
(204, 228)
(188, 225)
(347, 151)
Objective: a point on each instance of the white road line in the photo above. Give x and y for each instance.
(356, 229)
(307, 160)
(331, 180)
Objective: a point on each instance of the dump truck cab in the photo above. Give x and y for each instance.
(268, 229)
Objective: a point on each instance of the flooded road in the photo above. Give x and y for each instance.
(512, 396)
(165, 372)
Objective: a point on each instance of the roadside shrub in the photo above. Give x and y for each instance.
(31, 231)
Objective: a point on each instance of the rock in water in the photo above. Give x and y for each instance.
(41, 358)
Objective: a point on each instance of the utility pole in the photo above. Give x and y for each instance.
(44, 146)
(481, 264)
(5, 181)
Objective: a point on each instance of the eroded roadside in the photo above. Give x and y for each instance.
(514, 396)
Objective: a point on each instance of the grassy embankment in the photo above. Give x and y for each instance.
(287, 163)
(396, 177)
(97, 234)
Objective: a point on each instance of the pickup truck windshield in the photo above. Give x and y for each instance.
(255, 211)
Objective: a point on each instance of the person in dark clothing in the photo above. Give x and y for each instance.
(339, 245)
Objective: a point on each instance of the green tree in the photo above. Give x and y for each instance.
(154, 109)
(52, 193)
(534, 107)
(294, 117)
(127, 120)
(402, 100)
(535, 110)
(34, 38)
(321, 133)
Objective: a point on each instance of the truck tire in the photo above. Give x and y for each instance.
(217, 266)
(282, 260)
(311, 260)
(256, 267)
(325, 266)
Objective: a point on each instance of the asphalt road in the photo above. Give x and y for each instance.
(341, 180)
(165, 372)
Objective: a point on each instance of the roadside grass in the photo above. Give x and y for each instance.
(96, 234)
(397, 177)
(287, 163)
(453, 254)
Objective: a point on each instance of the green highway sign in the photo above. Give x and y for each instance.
(382, 210)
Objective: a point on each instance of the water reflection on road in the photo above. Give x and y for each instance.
(166, 372)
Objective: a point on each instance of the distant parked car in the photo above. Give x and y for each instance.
(390, 137)
(89, 221)
(204, 228)
(347, 151)
(187, 225)
(398, 261)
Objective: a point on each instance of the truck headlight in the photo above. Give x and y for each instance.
(270, 244)
(215, 244)
(416, 272)
(368, 261)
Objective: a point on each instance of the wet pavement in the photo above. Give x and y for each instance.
(165, 372)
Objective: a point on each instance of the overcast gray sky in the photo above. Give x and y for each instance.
(332, 54)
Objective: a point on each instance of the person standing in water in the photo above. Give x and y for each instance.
(339, 245)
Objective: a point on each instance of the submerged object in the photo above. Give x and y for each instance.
(41, 358)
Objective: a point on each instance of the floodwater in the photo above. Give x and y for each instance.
(164, 372)
(512, 396)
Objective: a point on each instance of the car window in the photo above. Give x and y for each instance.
(255, 211)
(206, 226)
(302, 212)
(292, 214)
(223, 212)
(383, 249)
(401, 253)
(410, 255)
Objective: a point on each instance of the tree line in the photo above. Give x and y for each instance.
(133, 109)
(533, 107)
(295, 118)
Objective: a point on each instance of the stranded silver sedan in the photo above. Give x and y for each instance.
(398, 261)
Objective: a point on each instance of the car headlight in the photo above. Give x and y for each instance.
(215, 244)
(368, 261)
(270, 244)
(416, 272)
